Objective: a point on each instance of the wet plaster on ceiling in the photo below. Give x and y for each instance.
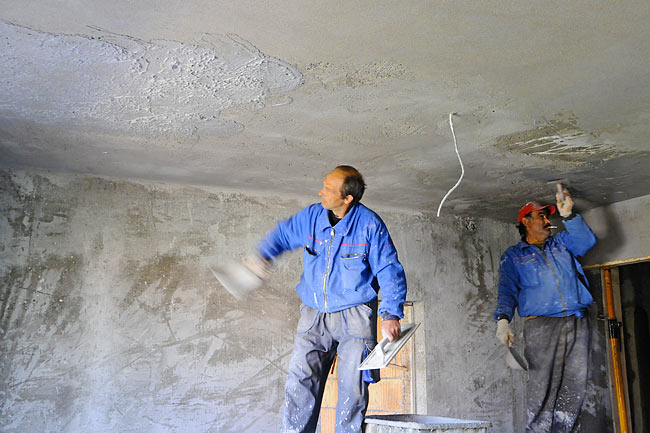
(268, 97)
(115, 82)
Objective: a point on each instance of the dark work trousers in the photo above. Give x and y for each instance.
(320, 337)
(557, 351)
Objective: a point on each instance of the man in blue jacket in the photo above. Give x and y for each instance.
(347, 256)
(541, 278)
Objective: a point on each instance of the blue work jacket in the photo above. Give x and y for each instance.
(549, 282)
(345, 265)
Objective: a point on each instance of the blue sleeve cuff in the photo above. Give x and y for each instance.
(387, 316)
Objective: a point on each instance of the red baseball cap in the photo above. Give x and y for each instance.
(531, 206)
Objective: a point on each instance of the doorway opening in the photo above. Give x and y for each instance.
(630, 291)
(634, 281)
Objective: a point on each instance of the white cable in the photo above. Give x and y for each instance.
(451, 125)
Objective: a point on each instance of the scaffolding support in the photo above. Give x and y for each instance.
(614, 334)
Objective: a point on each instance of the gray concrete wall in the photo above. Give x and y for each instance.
(452, 266)
(112, 322)
(623, 232)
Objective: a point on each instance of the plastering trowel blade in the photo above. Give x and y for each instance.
(515, 360)
(559, 184)
(386, 350)
(237, 279)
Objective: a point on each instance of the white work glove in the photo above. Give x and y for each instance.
(257, 265)
(564, 201)
(504, 332)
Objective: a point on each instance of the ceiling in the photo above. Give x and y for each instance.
(268, 96)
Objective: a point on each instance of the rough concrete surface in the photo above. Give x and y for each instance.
(111, 320)
(110, 81)
(230, 95)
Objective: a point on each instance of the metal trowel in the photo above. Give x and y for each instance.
(237, 279)
(515, 360)
(386, 350)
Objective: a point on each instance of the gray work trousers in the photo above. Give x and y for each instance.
(557, 351)
(321, 336)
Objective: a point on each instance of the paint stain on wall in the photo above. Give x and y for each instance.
(559, 139)
(116, 82)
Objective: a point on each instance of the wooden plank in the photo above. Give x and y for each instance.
(327, 419)
(390, 396)
(622, 262)
(331, 393)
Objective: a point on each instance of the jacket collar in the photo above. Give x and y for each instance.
(343, 227)
(523, 244)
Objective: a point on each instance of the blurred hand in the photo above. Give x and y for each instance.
(564, 201)
(391, 329)
(257, 265)
(504, 332)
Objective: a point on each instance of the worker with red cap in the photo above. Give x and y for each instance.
(542, 279)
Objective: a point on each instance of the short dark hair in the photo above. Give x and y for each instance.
(522, 229)
(353, 183)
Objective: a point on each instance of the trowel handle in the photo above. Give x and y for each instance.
(560, 190)
(382, 346)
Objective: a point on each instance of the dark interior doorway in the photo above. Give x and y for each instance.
(635, 301)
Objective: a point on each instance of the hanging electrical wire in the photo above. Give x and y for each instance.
(462, 173)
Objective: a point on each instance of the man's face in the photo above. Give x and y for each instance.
(330, 195)
(538, 226)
